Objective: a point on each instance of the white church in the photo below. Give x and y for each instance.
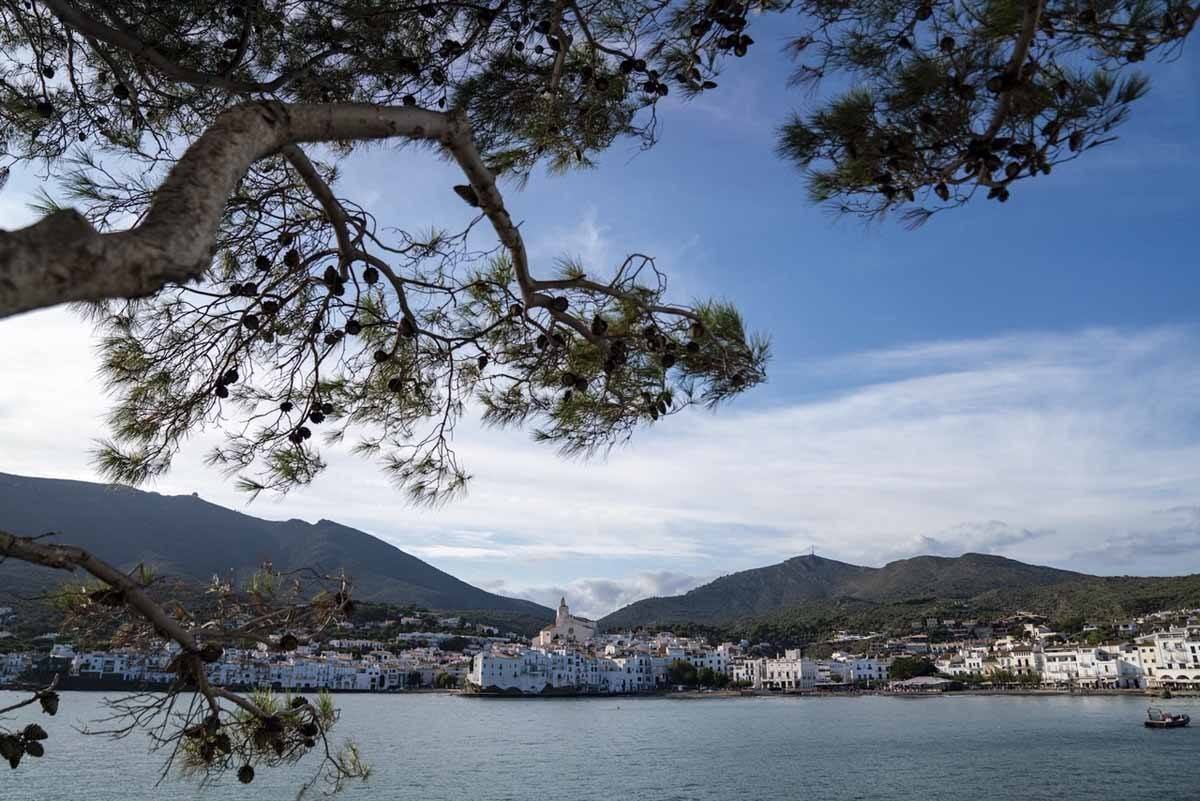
(567, 628)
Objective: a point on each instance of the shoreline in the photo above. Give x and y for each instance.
(143, 688)
(699, 695)
(1032, 693)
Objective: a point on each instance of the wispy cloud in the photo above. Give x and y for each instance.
(1054, 448)
(985, 536)
(587, 239)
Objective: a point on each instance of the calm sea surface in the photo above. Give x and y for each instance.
(434, 747)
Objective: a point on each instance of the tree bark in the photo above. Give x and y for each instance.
(63, 259)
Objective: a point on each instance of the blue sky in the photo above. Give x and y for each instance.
(1017, 378)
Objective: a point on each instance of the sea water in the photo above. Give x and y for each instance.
(430, 747)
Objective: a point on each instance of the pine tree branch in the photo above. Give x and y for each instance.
(71, 16)
(62, 258)
(37, 696)
(71, 557)
(324, 195)
(1031, 15)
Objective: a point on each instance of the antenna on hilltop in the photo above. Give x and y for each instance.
(812, 550)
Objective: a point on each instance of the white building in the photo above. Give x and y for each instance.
(14, 664)
(964, 661)
(1113, 667)
(854, 669)
(718, 660)
(792, 672)
(537, 671)
(1171, 659)
(566, 629)
(1020, 659)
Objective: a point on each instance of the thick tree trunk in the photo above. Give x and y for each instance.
(63, 258)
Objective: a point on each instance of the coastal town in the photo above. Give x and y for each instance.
(1154, 653)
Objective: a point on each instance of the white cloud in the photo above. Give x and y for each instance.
(596, 597)
(1074, 441)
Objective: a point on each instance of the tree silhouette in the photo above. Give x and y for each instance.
(951, 99)
(206, 235)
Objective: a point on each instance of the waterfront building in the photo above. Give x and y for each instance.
(854, 669)
(967, 661)
(1129, 666)
(1109, 667)
(718, 660)
(14, 664)
(1171, 658)
(1060, 667)
(792, 672)
(1020, 659)
(536, 671)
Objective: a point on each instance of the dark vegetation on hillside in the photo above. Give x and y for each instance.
(188, 538)
(809, 597)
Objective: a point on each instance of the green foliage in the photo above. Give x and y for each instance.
(314, 325)
(267, 731)
(681, 672)
(707, 677)
(909, 667)
(348, 366)
(948, 100)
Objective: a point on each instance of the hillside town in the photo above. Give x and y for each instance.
(421, 651)
(1155, 653)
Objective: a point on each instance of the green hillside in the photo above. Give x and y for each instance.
(810, 594)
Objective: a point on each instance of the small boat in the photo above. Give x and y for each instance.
(1158, 719)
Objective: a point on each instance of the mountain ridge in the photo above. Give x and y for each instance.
(817, 590)
(196, 539)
